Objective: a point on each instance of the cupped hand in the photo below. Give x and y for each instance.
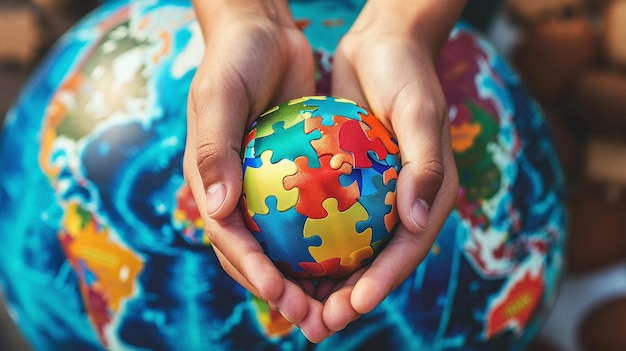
(391, 70)
(255, 57)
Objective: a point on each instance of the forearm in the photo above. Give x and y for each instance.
(430, 21)
(210, 12)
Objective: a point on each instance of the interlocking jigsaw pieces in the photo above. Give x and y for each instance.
(267, 180)
(339, 236)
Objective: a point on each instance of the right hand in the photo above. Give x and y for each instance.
(255, 58)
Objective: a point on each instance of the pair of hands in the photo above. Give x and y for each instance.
(256, 58)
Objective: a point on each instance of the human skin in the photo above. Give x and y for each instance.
(386, 63)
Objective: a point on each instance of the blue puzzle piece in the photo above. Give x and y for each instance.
(380, 165)
(252, 163)
(369, 185)
(348, 179)
(375, 205)
(282, 236)
(289, 144)
(249, 148)
(333, 107)
(360, 175)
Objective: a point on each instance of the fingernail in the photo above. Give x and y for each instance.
(419, 213)
(306, 336)
(215, 196)
(285, 316)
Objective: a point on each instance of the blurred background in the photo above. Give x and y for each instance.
(27, 30)
(571, 55)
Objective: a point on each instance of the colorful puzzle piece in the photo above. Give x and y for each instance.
(392, 218)
(248, 143)
(390, 174)
(328, 143)
(318, 184)
(333, 268)
(377, 200)
(352, 138)
(291, 247)
(290, 143)
(250, 162)
(328, 108)
(289, 114)
(267, 180)
(247, 215)
(378, 131)
(381, 166)
(360, 175)
(338, 233)
(368, 186)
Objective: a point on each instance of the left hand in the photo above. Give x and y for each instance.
(389, 69)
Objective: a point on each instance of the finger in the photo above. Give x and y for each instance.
(235, 274)
(312, 326)
(345, 83)
(418, 115)
(292, 302)
(228, 91)
(244, 257)
(405, 94)
(405, 250)
(396, 262)
(338, 310)
(218, 124)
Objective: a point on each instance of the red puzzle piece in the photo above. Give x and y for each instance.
(247, 218)
(352, 138)
(318, 184)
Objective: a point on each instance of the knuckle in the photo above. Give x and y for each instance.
(212, 157)
(430, 109)
(428, 178)
(433, 170)
(208, 156)
(435, 167)
(429, 173)
(413, 98)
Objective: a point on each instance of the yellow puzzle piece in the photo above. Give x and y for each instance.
(267, 180)
(338, 234)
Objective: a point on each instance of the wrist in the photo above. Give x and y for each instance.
(427, 21)
(215, 13)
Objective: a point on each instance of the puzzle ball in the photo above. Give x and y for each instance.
(103, 248)
(319, 186)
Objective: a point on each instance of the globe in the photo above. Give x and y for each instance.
(104, 249)
(319, 186)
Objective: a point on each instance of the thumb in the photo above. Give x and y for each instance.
(419, 124)
(216, 124)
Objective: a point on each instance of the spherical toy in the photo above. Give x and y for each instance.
(103, 247)
(319, 185)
